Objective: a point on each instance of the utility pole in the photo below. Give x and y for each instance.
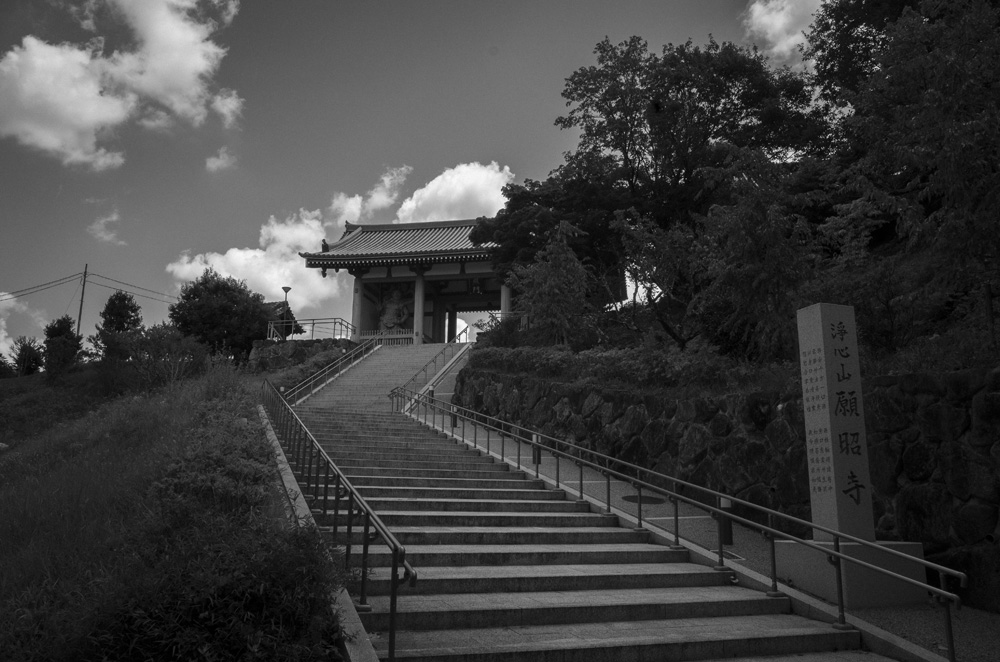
(83, 289)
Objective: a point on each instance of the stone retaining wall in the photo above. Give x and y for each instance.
(934, 448)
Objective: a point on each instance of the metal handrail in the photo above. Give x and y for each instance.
(413, 403)
(319, 378)
(320, 473)
(452, 346)
(341, 328)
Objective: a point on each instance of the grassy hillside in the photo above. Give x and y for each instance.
(152, 528)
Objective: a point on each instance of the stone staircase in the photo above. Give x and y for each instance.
(511, 570)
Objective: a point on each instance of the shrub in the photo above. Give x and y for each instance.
(26, 356)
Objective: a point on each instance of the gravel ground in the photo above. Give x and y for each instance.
(977, 632)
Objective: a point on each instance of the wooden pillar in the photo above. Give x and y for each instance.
(452, 323)
(418, 305)
(357, 308)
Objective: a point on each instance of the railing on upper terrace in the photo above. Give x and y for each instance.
(323, 482)
(316, 327)
(431, 411)
(398, 337)
(321, 377)
(451, 349)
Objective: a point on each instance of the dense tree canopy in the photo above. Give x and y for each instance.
(221, 312)
(731, 192)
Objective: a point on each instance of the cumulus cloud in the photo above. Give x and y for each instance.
(99, 229)
(229, 106)
(9, 307)
(274, 264)
(468, 190)
(346, 208)
(175, 57)
(53, 98)
(221, 161)
(777, 26)
(65, 99)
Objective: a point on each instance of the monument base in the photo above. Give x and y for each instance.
(809, 570)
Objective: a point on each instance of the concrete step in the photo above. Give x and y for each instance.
(472, 463)
(346, 453)
(381, 504)
(427, 556)
(516, 535)
(659, 639)
(404, 492)
(395, 519)
(462, 473)
(507, 483)
(531, 578)
(477, 610)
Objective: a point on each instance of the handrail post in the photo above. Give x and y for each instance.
(948, 633)
(774, 592)
(607, 496)
(350, 530)
(580, 464)
(719, 525)
(638, 503)
(393, 582)
(363, 600)
(841, 623)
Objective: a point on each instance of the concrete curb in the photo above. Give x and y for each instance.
(358, 647)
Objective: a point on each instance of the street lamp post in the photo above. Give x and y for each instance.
(286, 289)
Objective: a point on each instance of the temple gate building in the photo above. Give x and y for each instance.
(411, 280)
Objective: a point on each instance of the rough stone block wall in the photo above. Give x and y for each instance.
(934, 449)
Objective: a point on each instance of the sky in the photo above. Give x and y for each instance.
(150, 139)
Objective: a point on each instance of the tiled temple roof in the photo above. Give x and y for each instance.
(400, 243)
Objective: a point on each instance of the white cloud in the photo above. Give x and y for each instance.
(274, 264)
(53, 98)
(15, 306)
(221, 161)
(175, 58)
(468, 190)
(229, 106)
(777, 26)
(355, 208)
(65, 99)
(99, 229)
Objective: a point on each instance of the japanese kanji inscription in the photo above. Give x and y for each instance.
(836, 445)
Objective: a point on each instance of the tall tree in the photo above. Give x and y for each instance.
(552, 290)
(121, 319)
(221, 312)
(845, 41)
(62, 346)
(926, 128)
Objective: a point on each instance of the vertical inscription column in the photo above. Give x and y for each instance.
(836, 444)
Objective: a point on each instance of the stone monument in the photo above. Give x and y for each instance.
(839, 480)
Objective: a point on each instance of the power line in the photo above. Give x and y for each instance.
(119, 289)
(144, 289)
(24, 293)
(39, 288)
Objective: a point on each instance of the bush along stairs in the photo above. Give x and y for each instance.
(512, 570)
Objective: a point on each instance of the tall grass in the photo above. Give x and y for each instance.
(152, 529)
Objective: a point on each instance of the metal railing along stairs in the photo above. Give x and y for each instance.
(324, 376)
(461, 423)
(328, 489)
